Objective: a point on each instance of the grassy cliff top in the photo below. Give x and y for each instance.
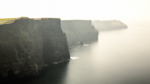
(7, 20)
(11, 20)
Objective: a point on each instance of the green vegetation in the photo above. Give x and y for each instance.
(7, 20)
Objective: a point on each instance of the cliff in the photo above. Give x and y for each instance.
(79, 31)
(27, 45)
(108, 24)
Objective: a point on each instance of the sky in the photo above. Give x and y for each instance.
(132, 12)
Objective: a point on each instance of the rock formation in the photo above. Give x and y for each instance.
(28, 45)
(108, 25)
(79, 30)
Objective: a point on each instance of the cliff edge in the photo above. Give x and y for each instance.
(27, 45)
(79, 31)
(108, 24)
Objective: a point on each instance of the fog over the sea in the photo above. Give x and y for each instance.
(120, 56)
(131, 12)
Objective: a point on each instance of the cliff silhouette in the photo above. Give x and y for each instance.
(108, 25)
(29, 44)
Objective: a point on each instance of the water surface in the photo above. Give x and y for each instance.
(119, 57)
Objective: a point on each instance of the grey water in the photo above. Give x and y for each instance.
(118, 57)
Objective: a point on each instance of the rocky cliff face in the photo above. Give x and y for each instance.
(79, 31)
(27, 45)
(108, 25)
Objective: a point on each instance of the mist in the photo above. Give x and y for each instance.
(115, 50)
(131, 12)
(118, 57)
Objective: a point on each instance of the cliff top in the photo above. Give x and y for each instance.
(7, 20)
(113, 22)
(75, 20)
(11, 20)
(106, 21)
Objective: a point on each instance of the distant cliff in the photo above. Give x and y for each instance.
(79, 31)
(108, 24)
(28, 45)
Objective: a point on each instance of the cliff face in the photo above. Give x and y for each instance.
(79, 31)
(27, 45)
(108, 25)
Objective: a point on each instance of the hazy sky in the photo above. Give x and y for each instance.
(128, 11)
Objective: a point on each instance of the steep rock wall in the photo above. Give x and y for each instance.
(27, 45)
(108, 25)
(79, 30)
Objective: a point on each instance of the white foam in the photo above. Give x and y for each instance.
(73, 58)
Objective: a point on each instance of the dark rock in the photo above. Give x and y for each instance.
(80, 43)
(28, 45)
(79, 30)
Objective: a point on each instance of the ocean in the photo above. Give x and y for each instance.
(118, 57)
